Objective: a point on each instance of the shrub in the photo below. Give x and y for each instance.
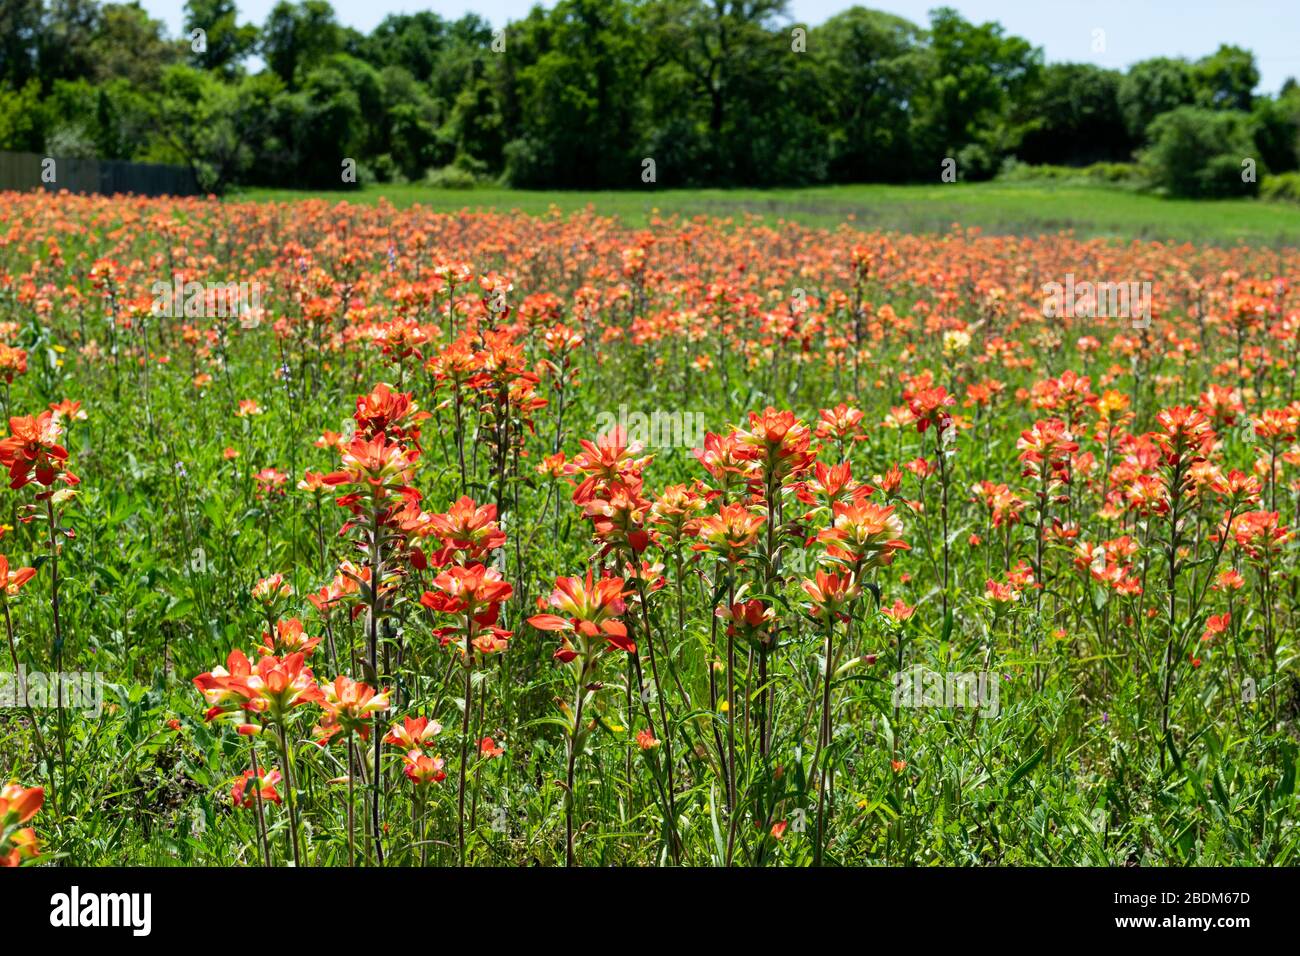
(1199, 153)
(450, 177)
(1127, 174)
(1281, 186)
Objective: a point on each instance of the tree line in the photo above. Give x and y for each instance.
(716, 93)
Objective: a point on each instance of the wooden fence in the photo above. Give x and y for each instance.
(107, 176)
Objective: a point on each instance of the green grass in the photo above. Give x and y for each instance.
(1000, 208)
(1096, 754)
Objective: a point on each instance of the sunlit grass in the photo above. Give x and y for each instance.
(1003, 208)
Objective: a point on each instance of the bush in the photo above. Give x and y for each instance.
(1123, 174)
(1198, 153)
(976, 162)
(385, 169)
(450, 177)
(526, 164)
(1281, 186)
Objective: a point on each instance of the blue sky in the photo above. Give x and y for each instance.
(1133, 29)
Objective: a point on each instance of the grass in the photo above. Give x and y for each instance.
(1126, 731)
(998, 208)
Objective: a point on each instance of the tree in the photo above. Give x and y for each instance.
(299, 36)
(64, 49)
(1226, 79)
(1198, 153)
(408, 130)
(205, 124)
(131, 45)
(1073, 118)
(20, 28)
(1277, 132)
(873, 68)
(227, 43)
(1152, 87)
(977, 73)
(22, 126)
(414, 42)
(580, 97)
(724, 88)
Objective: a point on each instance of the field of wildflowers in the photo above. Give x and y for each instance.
(352, 536)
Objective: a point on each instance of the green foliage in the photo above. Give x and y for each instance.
(1152, 87)
(1226, 79)
(131, 45)
(213, 125)
(1281, 186)
(578, 96)
(978, 74)
(227, 42)
(1200, 153)
(1278, 130)
(873, 68)
(1074, 117)
(21, 125)
(1129, 174)
(580, 93)
(451, 177)
(298, 36)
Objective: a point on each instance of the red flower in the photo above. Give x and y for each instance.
(1215, 625)
(929, 406)
(731, 532)
(270, 481)
(11, 581)
(386, 412)
(421, 769)
(18, 805)
(467, 528)
(413, 732)
(610, 458)
(864, 535)
(1048, 441)
(1185, 435)
(831, 592)
(751, 619)
(475, 591)
(618, 516)
(244, 796)
(777, 443)
(590, 610)
(349, 705)
(899, 611)
(32, 451)
(288, 638)
(279, 684)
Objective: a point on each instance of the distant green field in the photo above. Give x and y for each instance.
(1004, 208)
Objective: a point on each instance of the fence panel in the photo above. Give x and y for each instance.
(22, 171)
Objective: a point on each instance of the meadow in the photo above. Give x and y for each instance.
(1034, 208)
(409, 535)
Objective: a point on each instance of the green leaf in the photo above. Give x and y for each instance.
(718, 842)
(1019, 773)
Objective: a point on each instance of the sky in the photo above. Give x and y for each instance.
(1132, 30)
